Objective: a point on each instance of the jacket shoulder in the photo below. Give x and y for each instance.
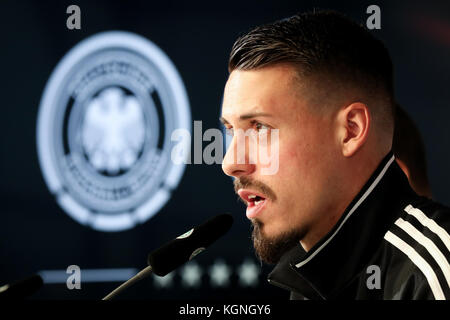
(418, 252)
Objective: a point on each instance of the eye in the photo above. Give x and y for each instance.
(260, 127)
(229, 131)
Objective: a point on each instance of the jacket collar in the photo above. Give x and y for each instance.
(326, 269)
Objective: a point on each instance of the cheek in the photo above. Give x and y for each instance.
(303, 172)
(309, 151)
(299, 157)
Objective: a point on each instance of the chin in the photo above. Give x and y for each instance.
(270, 246)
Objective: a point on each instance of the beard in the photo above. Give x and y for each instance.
(270, 250)
(267, 249)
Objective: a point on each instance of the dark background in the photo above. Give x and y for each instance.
(35, 233)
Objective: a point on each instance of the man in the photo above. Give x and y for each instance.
(409, 151)
(338, 216)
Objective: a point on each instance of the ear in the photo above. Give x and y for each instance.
(353, 127)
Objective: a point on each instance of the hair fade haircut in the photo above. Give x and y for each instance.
(320, 42)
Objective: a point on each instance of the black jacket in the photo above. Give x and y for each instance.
(390, 243)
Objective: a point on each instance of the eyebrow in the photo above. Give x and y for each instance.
(247, 116)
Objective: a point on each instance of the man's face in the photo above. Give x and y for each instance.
(293, 201)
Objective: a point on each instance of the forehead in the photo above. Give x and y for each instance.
(271, 89)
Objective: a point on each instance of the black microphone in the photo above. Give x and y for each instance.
(185, 247)
(21, 289)
(180, 250)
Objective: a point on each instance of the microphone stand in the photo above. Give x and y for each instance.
(141, 275)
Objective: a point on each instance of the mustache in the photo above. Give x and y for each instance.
(247, 183)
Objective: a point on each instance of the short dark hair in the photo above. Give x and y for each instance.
(321, 42)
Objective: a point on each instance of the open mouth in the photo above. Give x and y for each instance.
(255, 202)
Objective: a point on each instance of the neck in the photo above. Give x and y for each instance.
(354, 175)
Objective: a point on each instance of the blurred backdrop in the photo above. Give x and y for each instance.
(48, 223)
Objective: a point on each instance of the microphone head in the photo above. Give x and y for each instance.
(185, 247)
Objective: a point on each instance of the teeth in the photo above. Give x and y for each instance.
(258, 202)
(252, 196)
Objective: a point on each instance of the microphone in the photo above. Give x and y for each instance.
(185, 247)
(21, 289)
(180, 250)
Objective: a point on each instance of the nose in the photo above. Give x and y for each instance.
(236, 162)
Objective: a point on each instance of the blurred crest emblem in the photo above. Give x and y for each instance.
(103, 131)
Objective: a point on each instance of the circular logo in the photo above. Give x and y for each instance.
(104, 130)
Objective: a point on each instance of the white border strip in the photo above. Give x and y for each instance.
(357, 204)
(420, 262)
(432, 249)
(430, 224)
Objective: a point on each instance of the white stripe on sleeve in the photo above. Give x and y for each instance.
(432, 249)
(420, 262)
(430, 224)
